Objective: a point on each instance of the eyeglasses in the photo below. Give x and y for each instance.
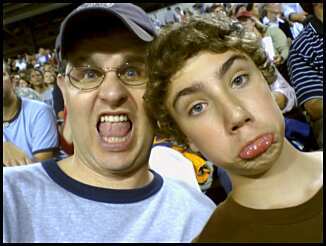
(89, 77)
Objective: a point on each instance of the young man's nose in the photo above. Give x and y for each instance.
(237, 118)
(235, 115)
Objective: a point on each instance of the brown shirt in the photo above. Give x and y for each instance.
(232, 222)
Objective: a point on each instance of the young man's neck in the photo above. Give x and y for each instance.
(294, 178)
(10, 107)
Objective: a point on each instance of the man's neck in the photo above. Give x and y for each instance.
(74, 168)
(10, 108)
(294, 178)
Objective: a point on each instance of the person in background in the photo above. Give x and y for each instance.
(42, 57)
(21, 63)
(227, 112)
(23, 83)
(306, 65)
(105, 192)
(36, 79)
(29, 130)
(49, 79)
(295, 16)
(273, 16)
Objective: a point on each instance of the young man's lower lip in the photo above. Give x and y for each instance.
(257, 148)
(119, 146)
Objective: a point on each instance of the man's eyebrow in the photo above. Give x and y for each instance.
(195, 87)
(228, 64)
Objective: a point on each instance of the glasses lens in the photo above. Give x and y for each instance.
(86, 77)
(133, 73)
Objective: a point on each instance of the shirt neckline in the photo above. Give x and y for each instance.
(287, 215)
(17, 112)
(98, 194)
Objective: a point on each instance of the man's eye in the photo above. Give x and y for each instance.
(133, 73)
(240, 81)
(197, 109)
(90, 74)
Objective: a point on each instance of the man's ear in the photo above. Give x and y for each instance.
(62, 85)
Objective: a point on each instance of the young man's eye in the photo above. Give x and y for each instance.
(239, 81)
(197, 109)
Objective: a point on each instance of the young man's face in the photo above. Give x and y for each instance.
(224, 106)
(122, 142)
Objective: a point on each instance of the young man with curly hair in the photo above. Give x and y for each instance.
(208, 87)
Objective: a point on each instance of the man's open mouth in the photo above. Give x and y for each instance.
(114, 129)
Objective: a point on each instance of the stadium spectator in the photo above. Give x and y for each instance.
(305, 66)
(295, 16)
(29, 130)
(42, 57)
(21, 63)
(49, 79)
(36, 78)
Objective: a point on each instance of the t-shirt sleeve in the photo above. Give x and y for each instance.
(44, 131)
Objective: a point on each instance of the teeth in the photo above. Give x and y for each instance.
(115, 139)
(114, 118)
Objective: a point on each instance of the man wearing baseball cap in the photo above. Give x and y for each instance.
(105, 192)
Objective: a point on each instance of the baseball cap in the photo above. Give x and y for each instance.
(132, 16)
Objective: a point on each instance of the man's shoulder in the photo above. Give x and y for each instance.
(186, 193)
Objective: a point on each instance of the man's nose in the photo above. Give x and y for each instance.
(112, 90)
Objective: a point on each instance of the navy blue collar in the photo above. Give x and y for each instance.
(101, 194)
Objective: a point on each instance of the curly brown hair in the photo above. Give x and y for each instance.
(179, 42)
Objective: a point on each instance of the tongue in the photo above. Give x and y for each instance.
(120, 129)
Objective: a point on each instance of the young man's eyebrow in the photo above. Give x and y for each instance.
(195, 87)
(134, 58)
(228, 64)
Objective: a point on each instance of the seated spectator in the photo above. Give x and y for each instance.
(15, 78)
(21, 63)
(295, 16)
(23, 83)
(273, 16)
(49, 79)
(47, 67)
(29, 130)
(36, 78)
(305, 66)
